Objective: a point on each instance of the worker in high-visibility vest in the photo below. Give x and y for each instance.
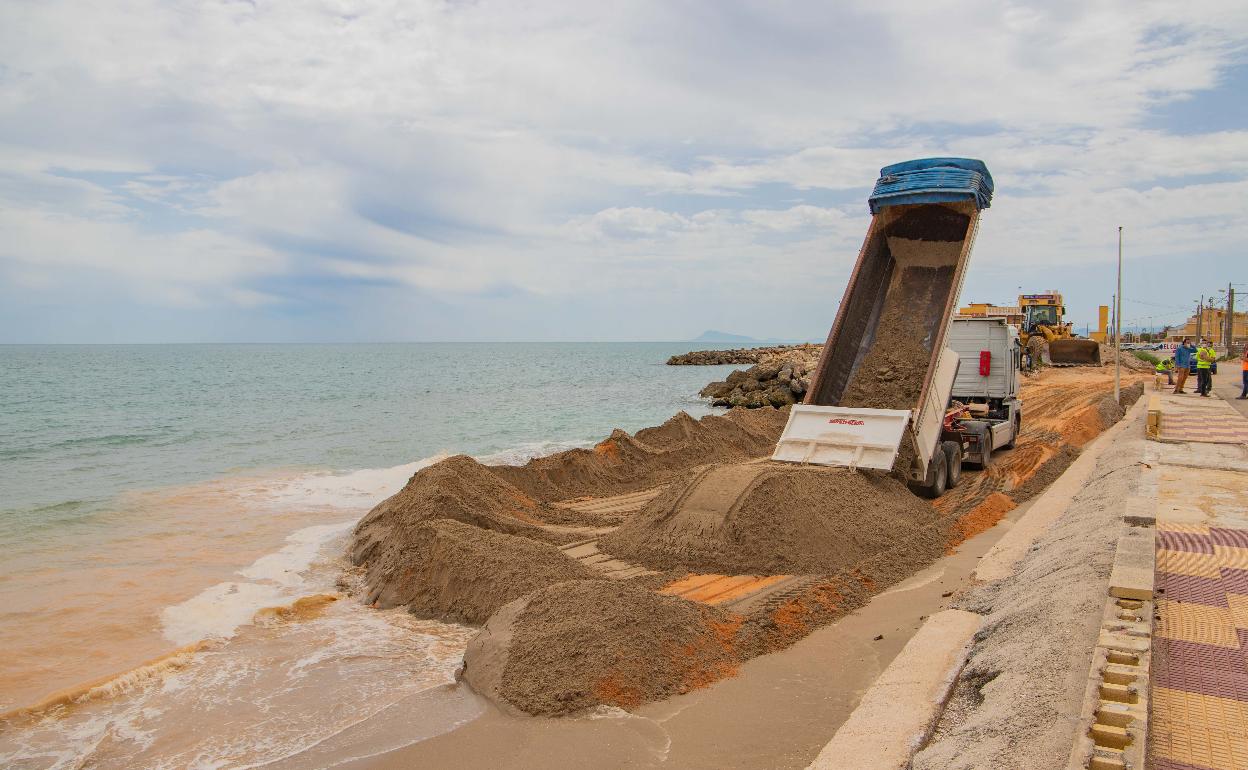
(1205, 356)
(1245, 363)
(1166, 366)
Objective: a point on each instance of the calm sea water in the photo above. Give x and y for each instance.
(81, 424)
(157, 502)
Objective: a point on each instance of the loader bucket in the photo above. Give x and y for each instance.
(1072, 352)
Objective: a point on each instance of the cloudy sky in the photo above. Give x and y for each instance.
(342, 170)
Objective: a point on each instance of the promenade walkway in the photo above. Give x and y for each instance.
(1199, 684)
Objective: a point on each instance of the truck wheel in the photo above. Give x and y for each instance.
(953, 463)
(937, 477)
(985, 457)
(1018, 426)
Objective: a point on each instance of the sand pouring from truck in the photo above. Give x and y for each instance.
(881, 393)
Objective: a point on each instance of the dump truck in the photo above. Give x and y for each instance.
(880, 394)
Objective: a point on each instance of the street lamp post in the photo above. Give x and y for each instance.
(1118, 327)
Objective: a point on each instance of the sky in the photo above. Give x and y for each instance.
(333, 170)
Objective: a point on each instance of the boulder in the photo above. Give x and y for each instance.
(780, 381)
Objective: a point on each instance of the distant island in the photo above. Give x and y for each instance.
(713, 335)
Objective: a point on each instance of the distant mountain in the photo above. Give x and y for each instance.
(711, 335)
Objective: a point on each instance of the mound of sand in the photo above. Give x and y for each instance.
(455, 572)
(458, 488)
(784, 520)
(587, 643)
(1131, 394)
(654, 456)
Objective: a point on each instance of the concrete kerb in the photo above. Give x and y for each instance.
(897, 713)
(1002, 561)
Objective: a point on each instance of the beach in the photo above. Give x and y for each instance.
(168, 506)
(222, 623)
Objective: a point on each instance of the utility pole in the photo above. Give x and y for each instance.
(1118, 327)
(1230, 318)
(1113, 314)
(1200, 317)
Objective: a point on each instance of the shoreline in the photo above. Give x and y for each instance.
(708, 717)
(684, 723)
(746, 721)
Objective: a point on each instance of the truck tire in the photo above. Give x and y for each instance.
(1018, 426)
(937, 477)
(984, 435)
(953, 463)
(985, 457)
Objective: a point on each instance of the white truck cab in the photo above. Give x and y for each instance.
(990, 358)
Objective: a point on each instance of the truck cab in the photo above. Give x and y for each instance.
(990, 358)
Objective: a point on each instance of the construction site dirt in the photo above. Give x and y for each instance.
(680, 543)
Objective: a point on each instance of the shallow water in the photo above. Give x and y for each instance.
(158, 501)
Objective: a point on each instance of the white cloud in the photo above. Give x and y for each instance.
(201, 152)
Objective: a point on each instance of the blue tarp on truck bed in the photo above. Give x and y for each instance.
(932, 180)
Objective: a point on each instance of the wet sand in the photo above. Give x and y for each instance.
(777, 713)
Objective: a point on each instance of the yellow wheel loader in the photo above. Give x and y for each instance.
(1047, 339)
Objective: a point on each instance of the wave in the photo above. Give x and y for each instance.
(352, 490)
(108, 686)
(522, 453)
(276, 579)
(303, 608)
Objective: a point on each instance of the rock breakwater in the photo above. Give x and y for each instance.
(745, 355)
(779, 382)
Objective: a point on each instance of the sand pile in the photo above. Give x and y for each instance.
(410, 563)
(1046, 473)
(654, 456)
(457, 488)
(588, 643)
(786, 520)
(1131, 394)
(459, 573)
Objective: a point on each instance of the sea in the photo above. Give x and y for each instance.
(174, 519)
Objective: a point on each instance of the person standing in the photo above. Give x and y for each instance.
(1182, 362)
(1245, 365)
(1205, 356)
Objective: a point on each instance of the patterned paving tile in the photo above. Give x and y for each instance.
(1239, 610)
(1235, 580)
(1196, 708)
(1192, 588)
(1185, 541)
(1197, 623)
(1234, 538)
(1199, 674)
(1179, 654)
(1189, 563)
(1180, 526)
(1202, 421)
(1232, 558)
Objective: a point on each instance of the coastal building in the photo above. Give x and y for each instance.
(1012, 314)
(1212, 324)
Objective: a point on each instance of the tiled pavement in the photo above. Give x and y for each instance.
(1189, 417)
(1199, 684)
